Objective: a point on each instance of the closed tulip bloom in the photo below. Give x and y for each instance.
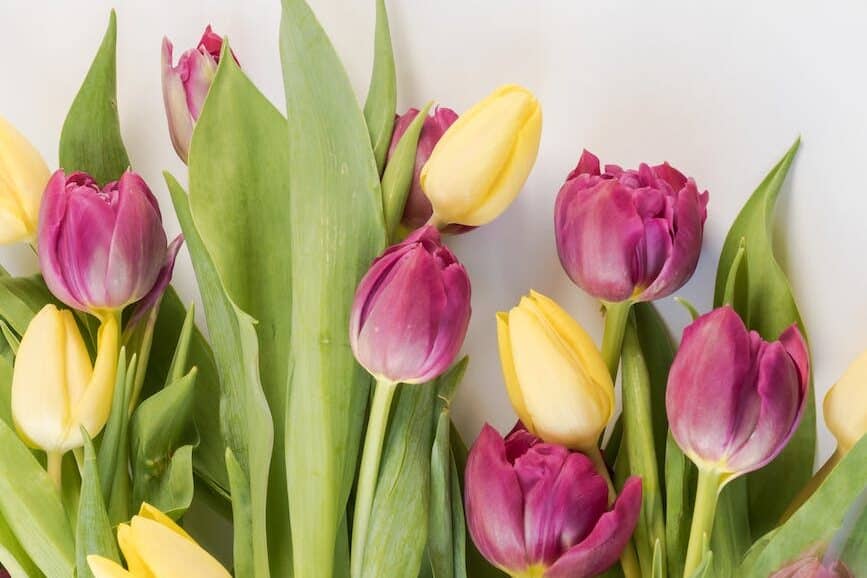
(155, 547)
(482, 161)
(100, 249)
(55, 389)
(555, 376)
(411, 310)
(734, 400)
(23, 175)
(537, 510)
(629, 234)
(186, 85)
(418, 209)
(846, 406)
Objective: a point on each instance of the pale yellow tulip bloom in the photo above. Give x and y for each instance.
(483, 159)
(845, 406)
(555, 375)
(23, 176)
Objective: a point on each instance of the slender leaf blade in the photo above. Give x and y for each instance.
(93, 533)
(381, 101)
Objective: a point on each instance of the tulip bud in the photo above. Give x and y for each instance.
(418, 209)
(100, 249)
(55, 390)
(186, 85)
(155, 547)
(555, 376)
(846, 406)
(733, 399)
(483, 159)
(23, 175)
(411, 310)
(537, 509)
(629, 235)
(812, 567)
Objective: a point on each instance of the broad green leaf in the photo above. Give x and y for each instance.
(853, 535)
(706, 568)
(31, 506)
(770, 308)
(245, 418)
(731, 536)
(93, 533)
(6, 390)
(680, 480)
(90, 140)
(239, 198)
(336, 230)
(182, 351)
(382, 94)
(21, 298)
(815, 522)
(113, 456)
(12, 555)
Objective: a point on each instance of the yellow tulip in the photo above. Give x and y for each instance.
(846, 406)
(23, 176)
(155, 547)
(481, 162)
(55, 390)
(555, 375)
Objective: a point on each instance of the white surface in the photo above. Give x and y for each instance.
(720, 90)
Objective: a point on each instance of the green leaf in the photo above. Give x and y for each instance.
(336, 230)
(6, 390)
(113, 457)
(93, 534)
(770, 308)
(706, 568)
(12, 555)
(658, 568)
(731, 536)
(813, 523)
(31, 506)
(182, 351)
(382, 94)
(245, 418)
(90, 140)
(239, 163)
(680, 480)
(21, 298)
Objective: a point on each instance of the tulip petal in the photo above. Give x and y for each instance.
(845, 405)
(134, 561)
(164, 278)
(152, 513)
(105, 568)
(603, 546)
(513, 387)
(51, 217)
(168, 555)
(23, 176)
(454, 320)
(175, 101)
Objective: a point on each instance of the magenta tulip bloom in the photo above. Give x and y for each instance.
(100, 249)
(418, 209)
(411, 310)
(537, 509)
(627, 234)
(186, 85)
(733, 399)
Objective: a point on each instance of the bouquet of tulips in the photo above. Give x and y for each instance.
(315, 417)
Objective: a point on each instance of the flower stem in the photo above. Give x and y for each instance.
(616, 316)
(706, 497)
(383, 393)
(812, 485)
(54, 465)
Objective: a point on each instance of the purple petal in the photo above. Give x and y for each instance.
(519, 441)
(675, 179)
(197, 72)
(175, 101)
(164, 278)
(588, 164)
(51, 216)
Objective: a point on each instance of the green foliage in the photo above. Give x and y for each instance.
(93, 534)
(382, 94)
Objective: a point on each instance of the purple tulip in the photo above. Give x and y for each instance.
(627, 234)
(733, 399)
(186, 85)
(100, 249)
(537, 509)
(812, 567)
(411, 310)
(418, 209)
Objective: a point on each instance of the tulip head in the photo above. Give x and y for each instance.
(23, 175)
(733, 399)
(629, 234)
(100, 249)
(155, 547)
(186, 85)
(556, 378)
(537, 509)
(418, 209)
(845, 406)
(481, 162)
(411, 310)
(55, 389)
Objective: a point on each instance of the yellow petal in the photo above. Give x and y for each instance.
(105, 568)
(134, 561)
(845, 405)
(93, 405)
(513, 388)
(23, 176)
(169, 555)
(152, 513)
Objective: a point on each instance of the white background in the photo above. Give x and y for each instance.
(718, 89)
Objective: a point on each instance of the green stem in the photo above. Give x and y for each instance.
(54, 465)
(383, 393)
(616, 316)
(706, 497)
(812, 485)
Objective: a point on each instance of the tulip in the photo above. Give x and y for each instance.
(55, 389)
(812, 567)
(155, 547)
(23, 175)
(626, 234)
(733, 402)
(418, 210)
(100, 250)
(845, 406)
(411, 310)
(537, 510)
(186, 85)
(483, 159)
(555, 376)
